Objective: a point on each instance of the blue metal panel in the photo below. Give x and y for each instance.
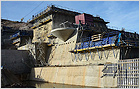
(92, 44)
(104, 42)
(15, 35)
(107, 40)
(86, 44)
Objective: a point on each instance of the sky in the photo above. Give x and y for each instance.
(120, 14)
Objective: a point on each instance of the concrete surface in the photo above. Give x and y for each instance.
(76, 75)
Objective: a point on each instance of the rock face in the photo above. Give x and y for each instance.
(15, 25)
(9, 28)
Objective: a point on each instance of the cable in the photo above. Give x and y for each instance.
(33, 9)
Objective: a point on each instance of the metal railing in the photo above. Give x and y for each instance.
(66, 24)
(128, 75)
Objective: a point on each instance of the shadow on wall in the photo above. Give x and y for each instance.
(8, 78)
(38, 77)
(16, 61)
(129, 53)
(49, 55)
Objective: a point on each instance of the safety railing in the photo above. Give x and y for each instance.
(66, 24)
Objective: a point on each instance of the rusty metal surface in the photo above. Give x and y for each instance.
(85, 18)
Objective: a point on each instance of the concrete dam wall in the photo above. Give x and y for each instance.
(76, 75)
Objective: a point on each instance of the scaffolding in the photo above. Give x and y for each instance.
(40, 53)
(40, 49)
(87, 48)
(101, 42)
(31, 52)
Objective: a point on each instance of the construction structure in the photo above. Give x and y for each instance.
(21, 36)
(69, 46)
(15, 64)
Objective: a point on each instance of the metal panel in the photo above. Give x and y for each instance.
(86, 43)
(15, 35)
(85, 18)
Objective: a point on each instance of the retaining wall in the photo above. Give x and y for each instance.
(76, 75)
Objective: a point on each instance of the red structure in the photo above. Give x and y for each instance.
(84, 18)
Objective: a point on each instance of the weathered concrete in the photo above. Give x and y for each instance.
(42, 32)
(62, 56)
(59, 18)
(76, 75)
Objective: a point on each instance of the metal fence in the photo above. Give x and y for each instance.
(126, 71)
(128, 74)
